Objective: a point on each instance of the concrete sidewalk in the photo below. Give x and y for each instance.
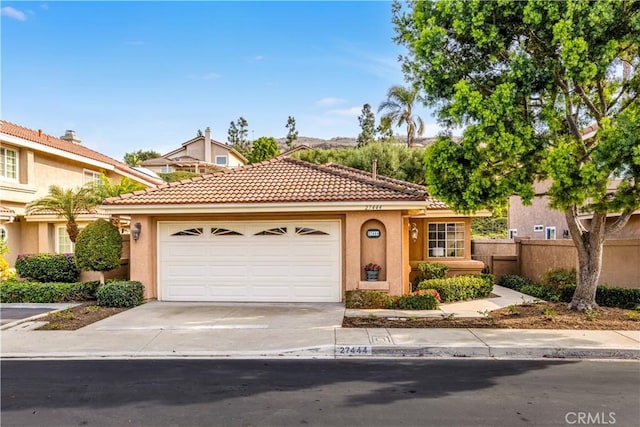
(193, 330)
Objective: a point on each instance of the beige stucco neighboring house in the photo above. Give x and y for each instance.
(200, 155)
(285, 230)
(539, 221)
(30, 162)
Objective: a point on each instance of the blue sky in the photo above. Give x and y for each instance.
(147, 75)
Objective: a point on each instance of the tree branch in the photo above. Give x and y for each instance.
(568, 107)
(618, 224)
(594, 110)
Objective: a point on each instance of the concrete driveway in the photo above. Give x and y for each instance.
(156, 315)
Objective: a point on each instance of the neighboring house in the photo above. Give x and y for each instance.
(539, 221)
(31, 161)
(285, 230)
(200, 155)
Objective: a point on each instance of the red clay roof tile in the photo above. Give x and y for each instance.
(281, 180)
(78, 149)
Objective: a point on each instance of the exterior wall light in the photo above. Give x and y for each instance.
(413, 232)
(135, 231)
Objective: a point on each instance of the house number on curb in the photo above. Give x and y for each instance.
(373, 233)
(353, 350)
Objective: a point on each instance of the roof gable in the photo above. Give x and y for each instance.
(45, 140)
(202, 139)
(281, 180)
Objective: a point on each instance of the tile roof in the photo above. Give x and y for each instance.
(5, 210)
(280, 180)
(70, 147)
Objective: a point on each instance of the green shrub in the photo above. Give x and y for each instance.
(35, 292)
(606, 296)
(120, 294)
(99, 247)
(459, 288)
(366, 299)
(513, 281)
(419, 300)
(47, 267)
(539, 291)
(559, 277)
(429, 270)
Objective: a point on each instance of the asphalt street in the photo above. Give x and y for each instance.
(319, 392)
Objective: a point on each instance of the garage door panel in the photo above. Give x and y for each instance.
(296, 263)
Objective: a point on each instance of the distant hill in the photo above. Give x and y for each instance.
(344, 142)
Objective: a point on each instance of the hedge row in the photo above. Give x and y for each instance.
(460, 288)
(420, 300)
(47, 267)
(606, 296)
(12, 291)
(120, 294)
(111, 294)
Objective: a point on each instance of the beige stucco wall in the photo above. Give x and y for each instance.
(620, 266)
(418, 250)
(196, 150)
(523, 218)
(142, 265)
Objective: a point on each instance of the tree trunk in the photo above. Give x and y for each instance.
(72, 231)
(590, 244)
(101, 277)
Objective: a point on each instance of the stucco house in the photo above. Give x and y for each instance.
(539, 221)
(285, 230)
(31, 161)
(200, 155)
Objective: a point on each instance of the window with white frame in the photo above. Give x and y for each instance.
(166, 169)
(221, 160)
(3, 233)
(64, 245)
(538, 228)
(513, 233)
(8, 163)
(446, 240)
(91, 177)
(550, 233)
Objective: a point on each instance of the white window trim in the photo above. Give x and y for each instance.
(6, 178)
(547, 233)
(537, 228)
(64, 228)
(445, 249)
(167, 169)
(513, 233)
(226, 160)
(92, 172)
(4, 233)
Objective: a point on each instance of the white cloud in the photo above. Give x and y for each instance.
(347, 112)
(44, 6)
(259, 58)
(13, 13)
(330, 102)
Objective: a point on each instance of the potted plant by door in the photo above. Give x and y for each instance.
(372, 270)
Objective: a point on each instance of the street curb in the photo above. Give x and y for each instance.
(15, 323)
(329, 352)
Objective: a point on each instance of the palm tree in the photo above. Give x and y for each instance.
(105, 188)
(399, 106)
(67, 204)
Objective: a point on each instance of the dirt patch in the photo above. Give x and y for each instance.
(76, 317)
(527, 316)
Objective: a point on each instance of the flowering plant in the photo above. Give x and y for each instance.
(372, 267)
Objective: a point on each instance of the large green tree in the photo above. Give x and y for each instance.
(526, 78)
(367, 122)
(398, 109)
(263, 148)
(136, 157)
(292, 133)
(67, 203)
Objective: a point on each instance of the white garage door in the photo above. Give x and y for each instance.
(277, 261)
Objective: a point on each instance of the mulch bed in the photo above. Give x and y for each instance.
(79, 316)
(528, 316)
